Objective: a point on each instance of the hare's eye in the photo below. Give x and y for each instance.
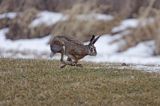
(92, 49)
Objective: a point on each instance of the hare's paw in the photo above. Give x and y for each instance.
(79, 65)
(69, 63)
(73, 64)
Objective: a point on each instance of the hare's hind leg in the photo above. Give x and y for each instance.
(75, 62)
(78, 65)
(69, 59)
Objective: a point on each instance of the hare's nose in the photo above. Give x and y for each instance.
(95, 54)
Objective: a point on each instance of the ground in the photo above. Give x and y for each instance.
(42, 82)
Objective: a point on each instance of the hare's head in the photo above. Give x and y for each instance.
(91, 48)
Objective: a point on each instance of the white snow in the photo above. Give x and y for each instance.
(10, 15)
(104, 17)
(50, 18)
(141, 55)
(144, 49)
(155, 68)
(96, 16)
(47, 18)
(130, 23)
(31, 47)
(133, 23)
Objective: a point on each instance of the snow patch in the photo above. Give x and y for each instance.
(144, 49)
(10, 15)
(47, 18)
(129, 23)
(36, 45)
(96, 16)
(140, 54)
(147, 68)
(50, 18)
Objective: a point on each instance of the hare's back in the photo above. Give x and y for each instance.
(69, 39)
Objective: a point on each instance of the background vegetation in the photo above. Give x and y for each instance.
(82, 29)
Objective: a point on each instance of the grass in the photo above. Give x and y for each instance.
(42, 83)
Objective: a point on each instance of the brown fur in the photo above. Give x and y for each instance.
(73, 49)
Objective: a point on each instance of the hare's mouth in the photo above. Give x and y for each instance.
(94, 54)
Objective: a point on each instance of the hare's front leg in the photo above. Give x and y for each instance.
(63, 63)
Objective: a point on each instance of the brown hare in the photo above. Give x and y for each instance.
(73, 49)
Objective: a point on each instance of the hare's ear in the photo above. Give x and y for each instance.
(93, 36)
(95, 40)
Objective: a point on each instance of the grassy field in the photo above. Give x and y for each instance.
(43, 83)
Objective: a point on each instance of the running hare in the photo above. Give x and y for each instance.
(73, 49)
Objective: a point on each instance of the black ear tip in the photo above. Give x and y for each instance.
(99, 36)
(92, 39)
(93, 36)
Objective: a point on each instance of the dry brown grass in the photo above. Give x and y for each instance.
(127, 7)
(4, 22)
(157, 42)
(83, 29)
(19, 27)
(141, 33)
(148, 29)
(40, 31)
(86, 8)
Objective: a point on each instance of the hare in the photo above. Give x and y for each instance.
(73, 49)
